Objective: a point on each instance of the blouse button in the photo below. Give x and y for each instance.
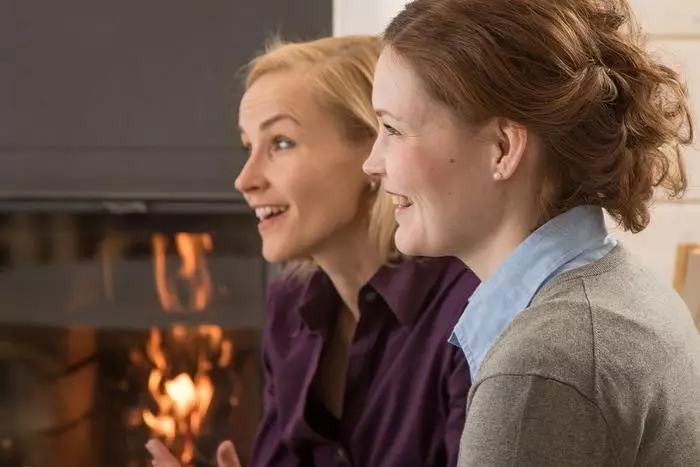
(370, 296)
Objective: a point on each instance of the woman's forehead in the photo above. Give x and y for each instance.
(279, 93)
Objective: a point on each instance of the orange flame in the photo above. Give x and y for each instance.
(183, 401)
(194, 270)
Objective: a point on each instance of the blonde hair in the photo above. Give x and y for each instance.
(341, 71)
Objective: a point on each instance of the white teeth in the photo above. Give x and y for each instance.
(401, 201)
(263, 212)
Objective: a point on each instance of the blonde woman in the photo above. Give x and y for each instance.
(358, 368)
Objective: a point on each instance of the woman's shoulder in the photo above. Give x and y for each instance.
(432, 289)
(286, 288)
(444, 266)
(285, 296)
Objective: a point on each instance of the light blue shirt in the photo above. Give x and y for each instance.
(568, 241)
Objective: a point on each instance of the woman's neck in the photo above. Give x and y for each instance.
(350, 266)
(515, 226)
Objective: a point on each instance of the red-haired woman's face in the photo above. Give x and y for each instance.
(438, 169)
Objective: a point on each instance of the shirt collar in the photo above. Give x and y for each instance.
(405, 287)
(318, 302)
(498, 300)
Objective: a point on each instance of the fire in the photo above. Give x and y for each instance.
(194, 270)
(183, 400)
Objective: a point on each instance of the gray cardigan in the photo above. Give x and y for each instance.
(602, 369)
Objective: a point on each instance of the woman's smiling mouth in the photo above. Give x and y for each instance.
(268, 214)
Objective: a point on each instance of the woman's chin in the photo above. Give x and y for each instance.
(273, 255)
(407, 243)
(276, 254)
(412, 243)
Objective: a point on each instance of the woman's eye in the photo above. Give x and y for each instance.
(390, 130)
(279, 143)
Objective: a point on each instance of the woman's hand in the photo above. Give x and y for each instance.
(226, 455)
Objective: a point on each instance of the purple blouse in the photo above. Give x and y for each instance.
(406, 388)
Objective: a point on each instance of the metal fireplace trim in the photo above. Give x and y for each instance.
(123, 203)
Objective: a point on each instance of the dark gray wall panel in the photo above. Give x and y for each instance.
(131, 95)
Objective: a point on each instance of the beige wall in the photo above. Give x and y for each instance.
(674, 28)
(363, 16)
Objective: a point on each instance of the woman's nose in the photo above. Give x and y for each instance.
(250, 178)
(374, 164)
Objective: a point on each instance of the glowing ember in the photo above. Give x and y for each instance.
(183, 400)
(181, 391)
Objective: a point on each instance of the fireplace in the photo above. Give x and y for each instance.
(118, 327)
(131, 282)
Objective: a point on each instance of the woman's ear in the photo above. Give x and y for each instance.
(512, 141)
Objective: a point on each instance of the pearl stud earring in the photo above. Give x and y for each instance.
(497, 176)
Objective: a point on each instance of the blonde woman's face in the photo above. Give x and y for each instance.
(302, 177)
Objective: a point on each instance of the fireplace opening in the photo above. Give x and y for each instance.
(115, 329)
